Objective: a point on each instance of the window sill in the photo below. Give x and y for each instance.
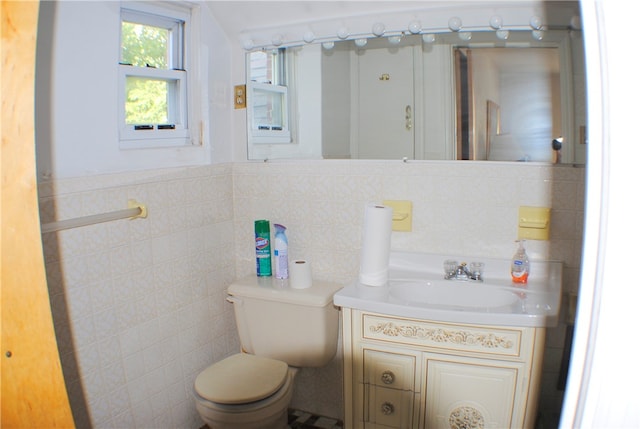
(157, 143)
(281, 137)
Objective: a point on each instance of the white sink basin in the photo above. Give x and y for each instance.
(417, 289)
(450, 293)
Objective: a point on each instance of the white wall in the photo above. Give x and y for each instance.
(604, 368)
(77, 83)
(439, 124)
(139, 305)
(336, 103)
(458, 208)
(486, 79)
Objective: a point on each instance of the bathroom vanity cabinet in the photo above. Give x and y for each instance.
(413, 373)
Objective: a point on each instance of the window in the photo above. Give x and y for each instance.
(267, 96)
(153, 107)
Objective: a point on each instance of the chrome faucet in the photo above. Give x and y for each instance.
(461, 272)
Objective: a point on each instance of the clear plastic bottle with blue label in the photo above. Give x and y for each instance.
(281, 252)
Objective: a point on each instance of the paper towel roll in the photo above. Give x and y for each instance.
(300, 274)
(376, 245)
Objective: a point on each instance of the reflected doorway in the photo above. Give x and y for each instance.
(385, 99)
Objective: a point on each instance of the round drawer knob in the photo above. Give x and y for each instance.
(387, 408)
(388, 377)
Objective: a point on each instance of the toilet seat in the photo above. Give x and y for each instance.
(241, 378)
(267, 413)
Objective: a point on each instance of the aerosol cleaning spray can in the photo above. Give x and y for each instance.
(280, 251)
(263, 248)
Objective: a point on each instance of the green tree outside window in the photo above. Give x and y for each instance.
(146, 99)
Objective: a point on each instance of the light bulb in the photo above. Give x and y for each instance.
(535, 22)
(309, 37)
(415, 27)
(328, 45)
(465, 35)
(537, 34)
(502, 34)
(360, 42)
(428, 38)
(378, 29)
(496, 22)
(276, 40)
(455, 24)
(395, 40)
(247, 44)
(342, 33)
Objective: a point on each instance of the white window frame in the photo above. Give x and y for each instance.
(178, 20)
(261, 136)
(269, 136)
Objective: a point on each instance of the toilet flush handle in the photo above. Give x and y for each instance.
(234, 300)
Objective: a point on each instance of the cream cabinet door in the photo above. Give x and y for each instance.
(472, 393)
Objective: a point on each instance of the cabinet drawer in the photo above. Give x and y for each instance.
(388, 407)
(387, 369)
(490, 340)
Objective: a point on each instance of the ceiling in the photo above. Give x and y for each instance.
(240, 17)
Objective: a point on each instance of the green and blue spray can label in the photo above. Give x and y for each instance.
(263, 248)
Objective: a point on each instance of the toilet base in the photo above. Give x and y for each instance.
(277, 422)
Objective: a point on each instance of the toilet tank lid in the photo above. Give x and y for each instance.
(319, 294)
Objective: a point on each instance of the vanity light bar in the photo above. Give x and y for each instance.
(378, 30)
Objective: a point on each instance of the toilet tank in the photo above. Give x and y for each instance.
(297, 326)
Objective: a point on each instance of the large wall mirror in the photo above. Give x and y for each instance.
(447, 95)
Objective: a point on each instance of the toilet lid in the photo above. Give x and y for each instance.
(241, 378)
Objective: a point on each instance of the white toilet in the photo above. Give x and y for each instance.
(281, 329)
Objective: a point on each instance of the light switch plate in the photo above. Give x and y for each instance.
(402, 214)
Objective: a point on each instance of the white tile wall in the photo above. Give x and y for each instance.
(468, 208)
(139, 305)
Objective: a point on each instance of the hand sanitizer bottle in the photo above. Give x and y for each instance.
(281, 254)
(520, 264)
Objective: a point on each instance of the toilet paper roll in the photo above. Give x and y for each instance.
(376, 245)
(300, 274)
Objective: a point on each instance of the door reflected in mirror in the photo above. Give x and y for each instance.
(516, 93)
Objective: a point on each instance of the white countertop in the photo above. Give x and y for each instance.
(535, 304)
